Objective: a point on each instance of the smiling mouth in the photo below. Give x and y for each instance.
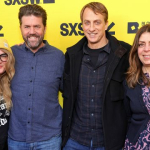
(92, 34)
(146, 56)
(32, 37)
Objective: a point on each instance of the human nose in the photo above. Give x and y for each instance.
(147, 47)
(92, 27)
(32, 30)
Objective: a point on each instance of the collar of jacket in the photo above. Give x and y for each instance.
(115, 45)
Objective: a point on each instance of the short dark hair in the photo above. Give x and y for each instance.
(96, 7)
(34, 10)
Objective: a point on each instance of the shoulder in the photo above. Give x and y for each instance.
(115, 43)
(16, 47)
(78, 45)
(54, 49)
(17, 50)
(125, 45)
(132, 89)
(55, 52)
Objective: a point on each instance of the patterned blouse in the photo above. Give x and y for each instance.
(143, 142)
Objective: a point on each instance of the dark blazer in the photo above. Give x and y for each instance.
(113, 113)
(137, 112)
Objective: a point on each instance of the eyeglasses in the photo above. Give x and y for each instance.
(4, 57)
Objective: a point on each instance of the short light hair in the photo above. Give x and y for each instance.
(96, 7)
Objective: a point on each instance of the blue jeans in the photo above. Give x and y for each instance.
(52, 144)
(73, 145)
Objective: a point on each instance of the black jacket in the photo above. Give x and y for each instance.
(113, 113)
(137, 112)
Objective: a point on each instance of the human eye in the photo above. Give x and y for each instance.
(86, 23)
(97, 22)
(141, 45)
(26, 27)
(4, 57)
(37, 27)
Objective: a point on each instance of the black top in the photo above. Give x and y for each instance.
(94, 53)
(4, 116)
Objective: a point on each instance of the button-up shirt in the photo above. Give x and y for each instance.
(36, 114)
(87, 116)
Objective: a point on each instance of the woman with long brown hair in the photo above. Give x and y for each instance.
(7, 71)
(137, 92)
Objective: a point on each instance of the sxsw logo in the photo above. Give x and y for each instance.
(24, 2)
(69, 29)
(1, 34)
(134, 26)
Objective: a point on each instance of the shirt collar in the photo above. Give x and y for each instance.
(44, 48)
(106, 48)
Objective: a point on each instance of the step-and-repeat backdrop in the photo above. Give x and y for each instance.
(64, 27)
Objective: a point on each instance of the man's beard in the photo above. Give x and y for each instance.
(33, 45)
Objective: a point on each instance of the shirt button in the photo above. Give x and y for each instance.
(92, 100)
(30, 80)
(32, 67)
(92, 85)
(29, 94)
(94, 71)
(92, 114)
(28, 108)
(28, 121)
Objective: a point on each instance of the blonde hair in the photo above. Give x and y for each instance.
(135, 72)
(96, 7)
(6, 77)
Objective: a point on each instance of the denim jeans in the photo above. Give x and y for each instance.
(73, 145)
(52, 144)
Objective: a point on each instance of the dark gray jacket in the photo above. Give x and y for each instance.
(113, 113)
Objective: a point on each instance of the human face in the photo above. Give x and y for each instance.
(33, 31)
(94, 27)
(144, 49)
(4, 57)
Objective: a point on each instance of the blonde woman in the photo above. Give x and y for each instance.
(137, 97)
(6, 74)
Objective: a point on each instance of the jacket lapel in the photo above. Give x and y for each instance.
(75, 66)
(76, 54)
(113, 61)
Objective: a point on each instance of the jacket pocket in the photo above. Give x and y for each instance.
(116, 87)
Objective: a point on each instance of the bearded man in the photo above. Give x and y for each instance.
(36, 115)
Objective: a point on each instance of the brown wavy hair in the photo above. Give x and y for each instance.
(6, 78)
(135, 72)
